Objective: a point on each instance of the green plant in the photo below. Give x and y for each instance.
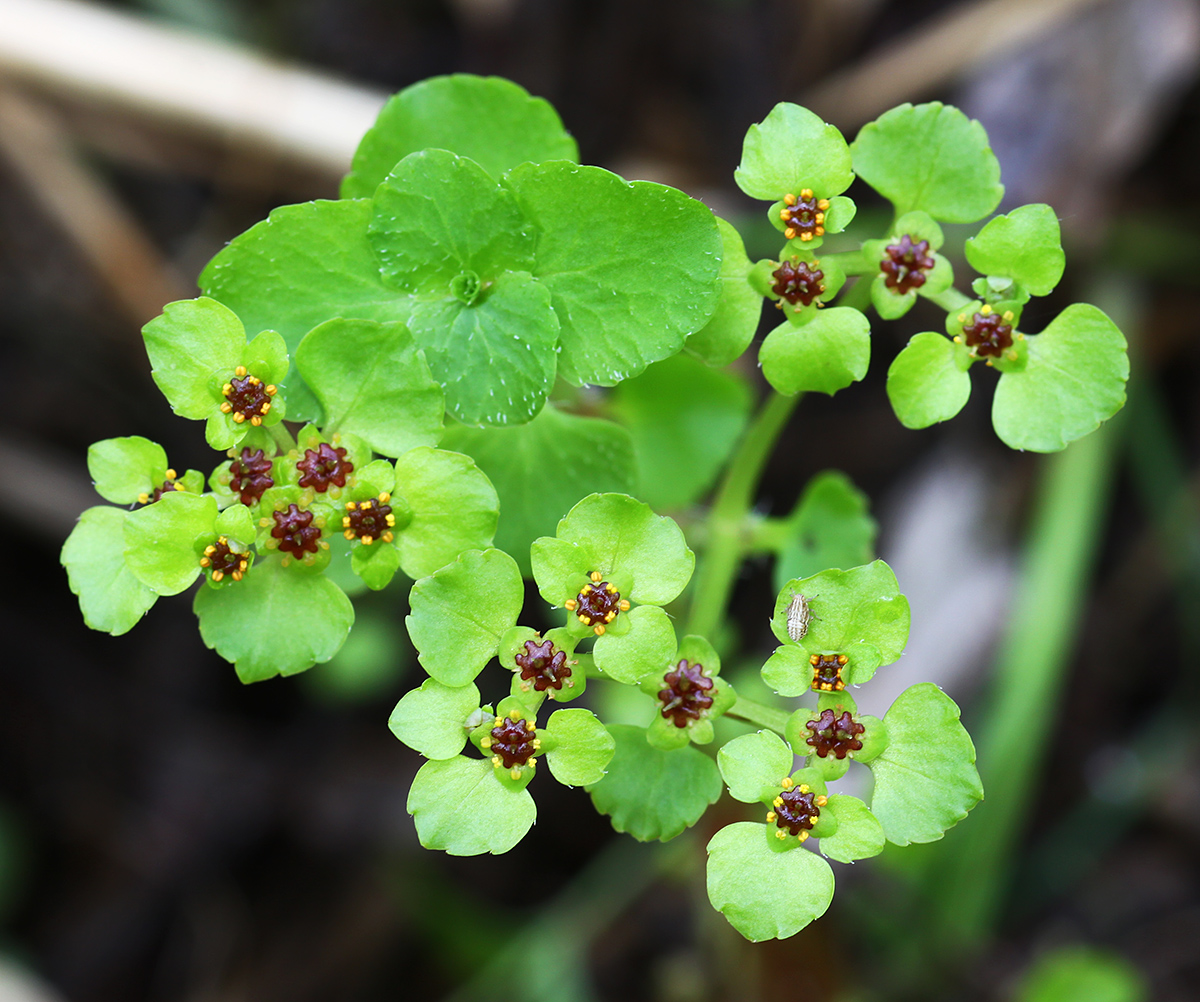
(473, 268)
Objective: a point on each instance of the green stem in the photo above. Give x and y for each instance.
(970, 884)
(727, 520)
(759, 713)
(854, 262)
(950, 300)
(282, 437)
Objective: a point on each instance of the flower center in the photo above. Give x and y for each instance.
(797, 809)
(597, 604)
(369, 520)
(221, 559)
(246, 397)
(803, 217)
(544, 666)
(168, 485)
(686, 693)
(905, 263)
(250, 476)
(295, 531)
(831, 733)
(988, 333)
(827, 672)
(513, 743)
(324, 466)
(798, 282)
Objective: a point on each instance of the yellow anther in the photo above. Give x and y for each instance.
(217, 575)
(240, 371)
(823, 204)
(784, 214)
(819, 217)
(388, 537)
(254, 420)
(806, 193)
(514, 714)
(780, 834)
(499, 721)
(178, 487)
(351, 506)
(985, 309)
(778, 801)
(532, 763)
(957, 339)
(496, 760)
(537, 744)
(599, 629)
(623, 605)
(143, 499)
(805, 237)
(569, 604)
(842, 659)
(204, 561)
(821, 801)
(515, 772)
(787, 782)
(529, 724)
(789, 199)
(610, 615)
(227, 388)
(802, 836)
(989, 363)
(368, 540)
(611, 589)
(962, 318)
(239, 417)
(384, 498)
(1007, 315)
(346, 524)
(272, 389)
(226, 407)
(771, 816)
(390, 520)
(804, 788)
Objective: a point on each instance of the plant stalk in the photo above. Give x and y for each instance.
(728, 519)
(759, 713)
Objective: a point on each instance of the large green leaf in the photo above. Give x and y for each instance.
(1024, 245)
(825, 355)
(829, 527)
(494, 357)
(459, 613)
(304, 264)
(654, 794)
(122, 469)
(164, 540)
(930, 157)
(739, 310)
(644, 650)
(438, 216)
(541, 469)
(1074, 380)
(458, 805)
(493, 121)
(925, 780)
(859, 834)
(925, 383)
(111, 598)
(790, 150)
(763, 893)
(754, 765)
(685, 419)
(632, 268)
(276, 621)
(454, 508)
(372, 382)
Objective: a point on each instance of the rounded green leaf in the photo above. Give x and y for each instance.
(787, 670)
(454, 508)
(437, 216)
(493, 121)
(495, 356)
(1073, 381)
(191, 341)
(644, 650)
(930, 157)
(830, 526)
(433, 719)
(304, 264)
(164, 540)
(1025, 245)
(654, 794)
(763, 893)
(753, 766)
(375, 564)
(541, 469)
(372, 382)
(124, 468)
(459, 613)
(276, 621)
(583, 749)
(111, 598)
(458, 805)
(685, 419)
(621, 534)
(632, 268)
(859, 834)
(790, 150)
(888, 303)
(925, 780)
(825, 355)
(925, 382)
(739, 309)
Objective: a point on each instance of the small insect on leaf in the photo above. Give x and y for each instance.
(799, 615)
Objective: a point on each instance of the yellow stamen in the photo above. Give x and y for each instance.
(596, 576)
(599, 628)
(240, 371)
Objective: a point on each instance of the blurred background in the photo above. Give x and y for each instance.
(168, 834)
